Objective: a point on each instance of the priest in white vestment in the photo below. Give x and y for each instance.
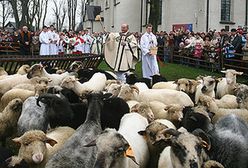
(54, 37)
(121, 52)
(44, 42)
(87, 41)
(149, 60)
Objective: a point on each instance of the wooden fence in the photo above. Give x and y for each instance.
(12, 62)
(215, 63)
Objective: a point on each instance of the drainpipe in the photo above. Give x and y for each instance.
(207, 17)
(246, 13)
(141, 16)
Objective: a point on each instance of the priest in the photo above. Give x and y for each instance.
(148, 43)
(121, 52)
(44, 41)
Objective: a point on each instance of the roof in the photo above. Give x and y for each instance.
(11, 24)
(92, 11)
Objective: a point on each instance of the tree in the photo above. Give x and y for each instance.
(72, 8)
(6, 11)
(154, 13)
(59, 12)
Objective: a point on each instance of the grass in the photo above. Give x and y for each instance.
(175, 71)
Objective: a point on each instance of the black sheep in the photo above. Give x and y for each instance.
(158, 78)
(60, 112)
(131, 79)
(113, 110)
(193, 120)
(85, 74)
(229, 141)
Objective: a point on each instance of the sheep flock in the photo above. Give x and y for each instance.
(85, 118)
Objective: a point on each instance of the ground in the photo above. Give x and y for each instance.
(176, 71)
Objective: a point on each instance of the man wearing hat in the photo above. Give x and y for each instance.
(236, 41)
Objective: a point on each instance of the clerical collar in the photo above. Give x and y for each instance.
(124, 34)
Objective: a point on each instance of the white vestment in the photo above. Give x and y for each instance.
(53, 45)
(87, 44)
(44, 41)
(96, 45)
(149, 62)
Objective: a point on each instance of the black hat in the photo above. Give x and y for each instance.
(233, 30)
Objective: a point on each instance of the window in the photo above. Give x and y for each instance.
(160, 12)
(226, 10)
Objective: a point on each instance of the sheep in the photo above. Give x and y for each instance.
(228, 141)
(144, 110)
(39, 70)
(60, 112)
(141, 86)
(132, 78)
(114, 148)
(96, 83)
(128, 92)
(227, 101)
(34, 146)
(211, 105)
(23, 70)
(206, 88)
(196, 117)
(22, 94)
(242, 96)
(150, 133)
(31, 87)
(227, 84)
(212, 164)
(8, 83)
(165, 85)
(165, 96)
(186, 150)
(32, 117)
(9, 118)
(113, 88)
(172, 112)
(73, 153)
(3, 72)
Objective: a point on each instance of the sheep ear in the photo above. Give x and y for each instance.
(142, 133)
(135, 108)
(130, 154)
(205, 140)
(175, 82)
(223, 71)
(52, 142)
(17, 140)
(239, 73)
(92, 143)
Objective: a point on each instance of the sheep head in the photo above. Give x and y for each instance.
(209, 83)
(69, 82)
(144, 110)
(24, 69)
(33, 146)
(35, 70)
(14, 105)
(187, 150)
(175, 112)
(111, 146)
(182, 85)
(231, 75)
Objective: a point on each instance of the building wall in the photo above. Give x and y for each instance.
(173, 12)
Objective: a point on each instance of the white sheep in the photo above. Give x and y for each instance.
(125, 148)
(9, 118)
(144, 110)
(205, 88)
(165, 85)
(39, 70)
(23, 70)
(129, 92)
(95, 84)
(22, 94)
(227, 101)
(150, 134)
(171, 112)
(35, 150)
(211, 105)
(165, 96)
(113, 88)
(227, 84)
(141, 86)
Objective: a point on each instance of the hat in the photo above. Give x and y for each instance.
(233, 30)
